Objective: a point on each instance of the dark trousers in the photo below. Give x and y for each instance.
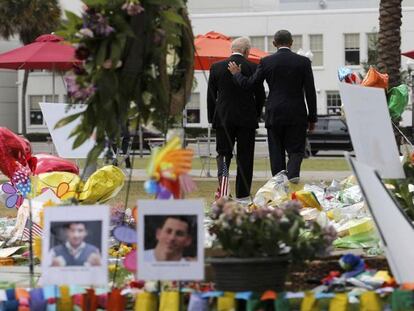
(225, 140)
(286, 138)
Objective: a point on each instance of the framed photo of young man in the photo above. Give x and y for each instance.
(75, 245)
(170, 240)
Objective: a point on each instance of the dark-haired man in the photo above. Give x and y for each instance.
(173, 237)
(287, 118)
(75, 251)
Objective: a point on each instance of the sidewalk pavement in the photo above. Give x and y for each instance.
(140, 174)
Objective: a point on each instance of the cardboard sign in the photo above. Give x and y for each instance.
(370, 127)
(395, 228)
(52, 114)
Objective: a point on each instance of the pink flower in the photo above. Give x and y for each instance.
(132, 8)
(107, 64)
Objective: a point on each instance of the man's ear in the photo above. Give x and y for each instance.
(274, 44)
(157, 233)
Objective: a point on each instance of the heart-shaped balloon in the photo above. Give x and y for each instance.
(130, 261)
(125, 234)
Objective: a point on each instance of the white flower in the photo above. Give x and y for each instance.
(86, 32)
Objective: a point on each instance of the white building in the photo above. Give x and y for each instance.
(8, 91)
(338, 32)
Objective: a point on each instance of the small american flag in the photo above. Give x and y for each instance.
(36, 230)
(224, 190)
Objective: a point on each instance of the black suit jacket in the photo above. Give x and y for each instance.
(227, 103)
(290, 80)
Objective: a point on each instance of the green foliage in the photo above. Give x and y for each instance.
(28, 19)
(137, 66)
(267, 232)
(402, 189)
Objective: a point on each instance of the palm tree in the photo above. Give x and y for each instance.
(389, 39)
(28, 19)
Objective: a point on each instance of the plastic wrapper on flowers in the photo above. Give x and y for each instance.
(339, 204)
(275, 191)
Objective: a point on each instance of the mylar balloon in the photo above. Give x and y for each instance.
(13, 150)
(343, 72)
(398, 100)
(375, 79)
(48, 163)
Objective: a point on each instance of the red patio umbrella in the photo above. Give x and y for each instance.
(409, 54)
(214, 46)
(47, 52)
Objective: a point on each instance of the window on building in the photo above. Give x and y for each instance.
(258, 42)
(270, 47)
(192, 110)
(36, 117)
(316, 46)
(333, 102)
(352, 49)
(372, 43)
(297, 43)
(296, 46)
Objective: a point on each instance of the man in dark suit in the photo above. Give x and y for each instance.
(234, 113)
(290, 80)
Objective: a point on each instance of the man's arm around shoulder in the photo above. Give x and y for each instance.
(247, 83)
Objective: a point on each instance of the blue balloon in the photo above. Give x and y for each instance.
(151, 187)
(164, 193)
(343, 72)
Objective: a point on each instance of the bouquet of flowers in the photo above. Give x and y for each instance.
(269, 231)
(403, 189)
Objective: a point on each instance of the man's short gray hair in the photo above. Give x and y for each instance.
(241, 45)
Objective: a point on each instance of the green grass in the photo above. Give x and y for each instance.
(261, 164)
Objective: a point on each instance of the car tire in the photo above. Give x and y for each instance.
(314, 152)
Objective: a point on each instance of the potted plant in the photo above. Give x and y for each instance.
(259, 244)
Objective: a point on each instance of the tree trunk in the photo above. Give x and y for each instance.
(389, 40)
(23, 101)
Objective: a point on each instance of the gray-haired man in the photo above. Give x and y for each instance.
(234, 113)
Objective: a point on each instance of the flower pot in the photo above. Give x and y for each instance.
(250, 274)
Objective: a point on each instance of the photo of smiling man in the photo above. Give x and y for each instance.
(74, 250)
(170, 238)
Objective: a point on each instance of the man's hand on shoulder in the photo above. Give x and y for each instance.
(234, 68)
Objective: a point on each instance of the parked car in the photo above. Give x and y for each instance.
(331, 133)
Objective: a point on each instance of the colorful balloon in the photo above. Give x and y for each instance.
(102, 185)
(343, 72)
(14, 150)
(48, 163)
(375, 79)
(151, 186)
